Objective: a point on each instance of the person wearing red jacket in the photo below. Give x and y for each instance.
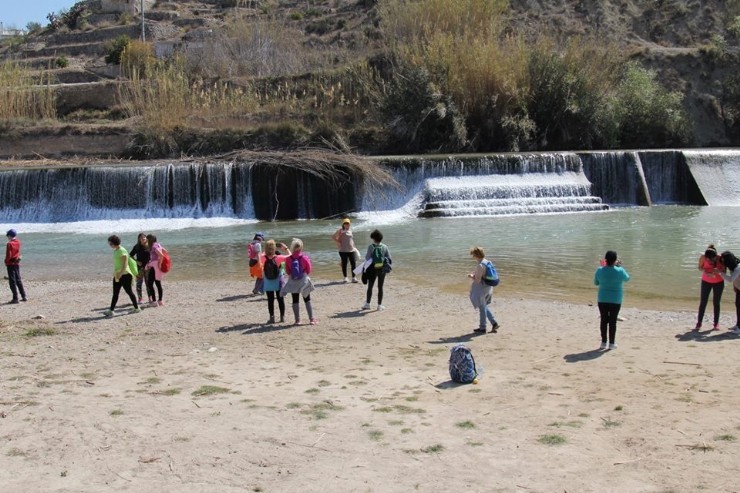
(13, 264)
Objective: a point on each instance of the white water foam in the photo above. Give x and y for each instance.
(126, 225)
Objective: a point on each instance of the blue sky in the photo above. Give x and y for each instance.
(18, 13)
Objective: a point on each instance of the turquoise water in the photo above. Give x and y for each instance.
(541, 256)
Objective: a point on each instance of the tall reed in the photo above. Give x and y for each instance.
(24, 95)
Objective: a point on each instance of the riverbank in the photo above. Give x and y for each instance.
(200, 395)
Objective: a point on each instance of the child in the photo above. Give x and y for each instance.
(481, 294)
(272, 269)
(298, 267)
(254, 249)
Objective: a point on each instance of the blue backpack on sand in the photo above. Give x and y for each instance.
(491, 277)
(462, 364)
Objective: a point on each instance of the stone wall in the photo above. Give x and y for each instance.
(130, 6)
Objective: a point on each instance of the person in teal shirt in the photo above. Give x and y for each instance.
(609, 278)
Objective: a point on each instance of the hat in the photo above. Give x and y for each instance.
(11, 233)
(260, 236)
(346, 220)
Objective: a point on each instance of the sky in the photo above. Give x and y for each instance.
(18, 13)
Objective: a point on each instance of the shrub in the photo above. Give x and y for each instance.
(62, 62)
(648, 114)
(115, 49)
(137, 56)
(22, 96)
(33, 27)
(734, 27)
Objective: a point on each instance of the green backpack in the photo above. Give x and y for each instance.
(378, 257)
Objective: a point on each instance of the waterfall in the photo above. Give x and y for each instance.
(717, 175)
(424, 186)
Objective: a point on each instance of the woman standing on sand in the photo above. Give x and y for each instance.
(154, 271)
(481, 294)
(710, 265)
(610, 277)
(379, 258)
(140, 253)
(346, 245)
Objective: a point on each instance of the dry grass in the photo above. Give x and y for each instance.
(23, 96)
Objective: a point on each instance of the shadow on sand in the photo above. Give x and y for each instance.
(584, 356)
(705, 336)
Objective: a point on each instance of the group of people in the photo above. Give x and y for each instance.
(143, 263)
(279, 272)
(715, 270)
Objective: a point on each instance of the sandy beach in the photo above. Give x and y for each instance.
(201, 396)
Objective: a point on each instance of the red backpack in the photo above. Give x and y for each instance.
(166, 264)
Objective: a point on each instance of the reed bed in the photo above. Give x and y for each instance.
(25, 95)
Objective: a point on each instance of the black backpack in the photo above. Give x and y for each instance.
(271, 269)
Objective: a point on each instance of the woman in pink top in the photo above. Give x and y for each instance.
(711, 267)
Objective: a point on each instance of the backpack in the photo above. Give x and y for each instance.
(462, 364)
(296, 268)
(166, 264)
(271, 269)
(491, 278)
(378, 257)
(253, 253)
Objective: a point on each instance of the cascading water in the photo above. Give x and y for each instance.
(717, 174)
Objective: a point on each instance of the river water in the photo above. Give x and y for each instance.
(550, 257)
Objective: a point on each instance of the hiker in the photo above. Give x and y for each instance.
(610, 277)
(140, 253)
(481, 294)
(254, 249)
(13, 265)
(710, 265)
(298, 268)
(378, 261)
(346, 246)
(122, 275)
(731, 263)
(273, 269)
(154, 274)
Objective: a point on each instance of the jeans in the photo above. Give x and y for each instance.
(710, 287)
(485, 313)
(15, 281)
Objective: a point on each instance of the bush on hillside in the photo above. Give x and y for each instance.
(731, 106)
(115, 49)
(137, 57)
(649, 115)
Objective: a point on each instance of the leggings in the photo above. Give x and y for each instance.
(125, 283)
(150, 282)
(347, 257)
(706, 288)
(295, 297)
(271, 295)
(372, 275)
(737, 307)
(609, 312)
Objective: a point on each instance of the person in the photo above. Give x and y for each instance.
(122, 276)
(378, 259)
(731, 263)
(298, 268)
(610, 277)
(154, 274)
(140, 253)
(481, 294)
(710, 265)
(274, 260)
(254, 249)
(13, 265)
(346, 246)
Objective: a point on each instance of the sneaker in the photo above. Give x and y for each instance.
(24, 299)
(314, 321)
(160, 303)
(108, 313)
(480, 331)
(153, 303)
(733, 328)
(13, 302)
(346, 279)
(366, 306)
(715, 327)
(603, 345)
(282, 319)
(612, 346)
(381, 307)
(354, 279)
(136, 310)
(494, 327)
(698, 326)
(736, 331)
(140, 300)
(270, 320)
(297, 322)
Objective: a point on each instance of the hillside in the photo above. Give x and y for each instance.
(272, 45)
